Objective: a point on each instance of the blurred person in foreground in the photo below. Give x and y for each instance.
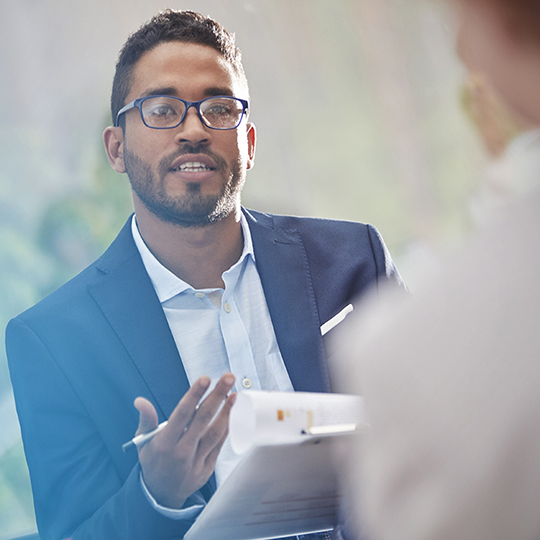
(453, 398)
(194, 289)
(512, 145)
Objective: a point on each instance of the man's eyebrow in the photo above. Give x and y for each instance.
(166, 91)
(218, 91)
(171, 91)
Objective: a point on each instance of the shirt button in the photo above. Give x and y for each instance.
(227, 308)
(199, 295)
(246, 383)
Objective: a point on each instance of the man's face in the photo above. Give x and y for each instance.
(190, 175)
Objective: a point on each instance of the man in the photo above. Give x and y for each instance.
(454, 446)
(194, 288)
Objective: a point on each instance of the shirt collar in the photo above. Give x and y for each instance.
(165, 283)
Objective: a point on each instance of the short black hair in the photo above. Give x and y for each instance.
(171, 25)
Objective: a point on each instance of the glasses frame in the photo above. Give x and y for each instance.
(137, 104)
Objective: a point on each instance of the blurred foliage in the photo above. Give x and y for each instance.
(77, 228)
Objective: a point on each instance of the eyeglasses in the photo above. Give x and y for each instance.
(167, 112)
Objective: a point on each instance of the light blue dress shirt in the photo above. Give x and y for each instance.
(221, 330)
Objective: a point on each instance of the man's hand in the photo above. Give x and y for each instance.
(180, 459)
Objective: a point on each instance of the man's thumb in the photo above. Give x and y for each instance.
(148, 419)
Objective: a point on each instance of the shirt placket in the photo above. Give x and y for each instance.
(235, 336)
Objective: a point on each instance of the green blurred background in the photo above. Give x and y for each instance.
(357, 109)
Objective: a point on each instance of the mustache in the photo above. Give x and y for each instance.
(187, 148)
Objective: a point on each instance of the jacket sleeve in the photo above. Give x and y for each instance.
(78, 489)
(386, 271)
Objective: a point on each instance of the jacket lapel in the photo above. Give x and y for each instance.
(127, 298)
(286, 279)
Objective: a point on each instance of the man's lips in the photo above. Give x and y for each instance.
(193, 164)
(193, 167)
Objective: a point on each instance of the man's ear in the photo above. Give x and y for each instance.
(113, 138)
(251, 137)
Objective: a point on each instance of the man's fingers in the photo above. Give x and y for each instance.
(209, 407)
(211, 458)
(184, 411)
(148, 418)
(180, 459)
(215, 435)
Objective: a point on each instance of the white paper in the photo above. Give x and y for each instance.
(286, 483)
(266, 418)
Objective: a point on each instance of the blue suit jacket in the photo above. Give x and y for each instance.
(80, 357)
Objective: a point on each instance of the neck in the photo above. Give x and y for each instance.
(197, 255)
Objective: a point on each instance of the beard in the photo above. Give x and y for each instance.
(193, 208)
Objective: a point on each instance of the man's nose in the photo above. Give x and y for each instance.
(192, 129)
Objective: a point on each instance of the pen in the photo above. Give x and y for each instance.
(143, 438)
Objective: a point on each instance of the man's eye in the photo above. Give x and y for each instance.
(218, 110)
(161, 110)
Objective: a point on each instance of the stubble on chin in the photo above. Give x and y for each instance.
(193, 209)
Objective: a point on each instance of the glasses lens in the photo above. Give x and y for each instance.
(162, 112)
(222, 113)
